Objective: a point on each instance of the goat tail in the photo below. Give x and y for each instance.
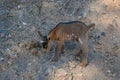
(90, 26)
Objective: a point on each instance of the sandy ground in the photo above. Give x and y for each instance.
(20, 20)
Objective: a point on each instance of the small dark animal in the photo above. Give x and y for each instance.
(76, 31)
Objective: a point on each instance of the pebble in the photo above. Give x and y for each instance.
(20, 26)
(71, 65)
(34, 60)
(106, 61)
(34, 51)
(33, 29)
(1, 59)
(18, 6)
(79, 17)
(10, 15)
(108, 71)
(9, 62)
(8, 50)
(29, 64)
(10, 36)
(60, 72)
(3, 33)
(24, 23)
(114, 75)
(22, 45)
(3, 68)
(103, 33)
(78, 76)
(48, 71)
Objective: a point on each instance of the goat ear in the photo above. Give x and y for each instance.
(39, 33)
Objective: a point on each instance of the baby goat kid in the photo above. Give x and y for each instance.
(63, 31)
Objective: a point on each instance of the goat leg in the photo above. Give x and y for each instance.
(85, 54)
(58, 51)
(62, 50)
(49, 45)
(79, 53)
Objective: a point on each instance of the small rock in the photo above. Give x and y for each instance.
(20, 26)
(3, 68)
(29, 64)
(103, 33)
(114, 75)
(3, 33)
(71, 65)
(106, 61)
(69, 77)
(10, 36)
(79, 17)
(48, 71)
(60, 74)
(98, 37)
(9, 15)
(19, 6)
(22, 45)
(20, 13)
(34, 60)
(48, 5)
(9, 62)
(77, 76)
(34, 51)
(1, 59)
(33, 29)
(108, 71)
(8, 50)
(24, 23)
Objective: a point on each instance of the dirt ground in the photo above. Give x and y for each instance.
(19, 21)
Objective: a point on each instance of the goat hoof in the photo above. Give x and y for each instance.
(83, 64)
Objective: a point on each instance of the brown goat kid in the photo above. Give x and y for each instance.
(76, 31)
